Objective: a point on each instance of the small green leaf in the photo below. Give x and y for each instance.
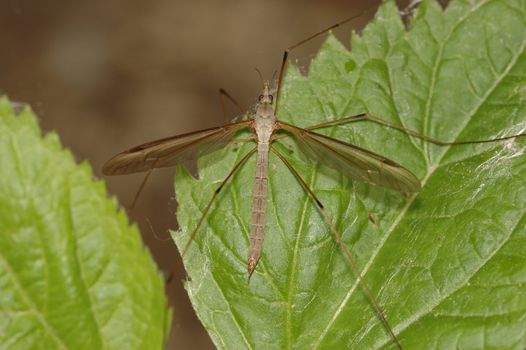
(73, 273)
(448, 264)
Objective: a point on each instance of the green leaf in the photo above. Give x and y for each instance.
(448, 264)
(73, 273)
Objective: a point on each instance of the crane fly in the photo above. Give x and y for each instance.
(355, 162)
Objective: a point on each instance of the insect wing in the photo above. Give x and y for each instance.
(172, 150)
(355, 162)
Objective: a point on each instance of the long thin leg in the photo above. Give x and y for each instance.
(141, 187)
(201, 220)
(366, 116)
(224, 94)
(325, 124)
(352, 118)
(290, 48)
(168, 238)
(350, 259)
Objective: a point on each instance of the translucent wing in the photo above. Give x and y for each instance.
(353, 161)
(171, 150)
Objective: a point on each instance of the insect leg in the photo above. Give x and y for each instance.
(381, 121)
(141, 187)
(352, 118)
(350, 259)
(216, 192)
(290, 48)
(224, 94)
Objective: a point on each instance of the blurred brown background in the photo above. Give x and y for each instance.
(108, 75)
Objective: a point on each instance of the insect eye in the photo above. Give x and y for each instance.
(271, 98)
(260, 98)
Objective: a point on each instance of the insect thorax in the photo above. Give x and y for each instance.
(264, 121)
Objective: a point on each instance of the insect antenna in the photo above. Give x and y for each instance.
(260, 75)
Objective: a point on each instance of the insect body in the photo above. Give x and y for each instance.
(351, 160)
(264, 124)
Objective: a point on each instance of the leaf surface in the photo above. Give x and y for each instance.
(73, 273)
(446, 264)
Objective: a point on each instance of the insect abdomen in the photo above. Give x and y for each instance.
(259, 206)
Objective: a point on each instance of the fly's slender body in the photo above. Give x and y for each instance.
(263, 126)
